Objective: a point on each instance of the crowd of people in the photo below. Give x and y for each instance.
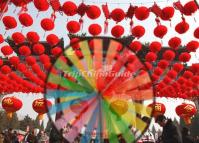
(171, 133)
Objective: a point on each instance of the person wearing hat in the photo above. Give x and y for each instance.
(171, 133)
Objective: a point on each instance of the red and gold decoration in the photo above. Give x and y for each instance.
(186, 111)
(158, 109)
(41, 107)
(11, 105)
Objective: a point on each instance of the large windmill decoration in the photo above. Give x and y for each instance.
(36, 58)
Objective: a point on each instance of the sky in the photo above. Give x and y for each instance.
(61, 31)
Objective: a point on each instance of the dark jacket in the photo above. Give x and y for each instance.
(187, 139)
(171, 133)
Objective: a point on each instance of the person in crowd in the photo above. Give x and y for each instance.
(121, 139)
(43, 137)
(1, 137)
(31, 138)
(186, 137)
(15, 137)
(94, 136)
(8, 136)
(171, 132)
(148, 136)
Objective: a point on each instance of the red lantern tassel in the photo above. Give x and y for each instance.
(53, 16)
(131, 25)
(106, 27)
(23, 9)
(81, 23)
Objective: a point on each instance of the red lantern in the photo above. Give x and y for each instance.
(69, 8)
(150, 57)
(6, 50)
(190, 8)
(18, 37)
(160, 31)
(1, 62)
(55, 4)
(3, 7)
(187, 74)
(167, 13)
(158, 109)
(136, 46)
(186, 111)
(117, 31)
(52, 39)
(47, 24)
(178, 67)
(5, 69)
(25, 19)
(38, 49)
(73, 26)
(138, 31)
(192, 46)
(169, 55)
(142, 13)
(22, 67)
(196, 33)
(172, 74)
(20, 3)
(41, 5)
(9, 22)
(30, 60)
(14, 60)
(44, 58)
(184, 57)
(1, 39)
(93, 12)
(163, 64)
(95, 29)
(33, 37)
(117, 15)
(24, 50)
(174, 42)
(155, 46)
(11, 104)
(74, 43)
(56, 51)
(195, 68)
(41, 106)
(182, 27)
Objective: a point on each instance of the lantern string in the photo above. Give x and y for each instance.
(119, 3)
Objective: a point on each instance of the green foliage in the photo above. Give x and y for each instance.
(6, 123)
(194, 127)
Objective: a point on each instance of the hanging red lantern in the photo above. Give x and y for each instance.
(1, 39)
(11, 105)
(74, 43)
(24, 51)
(47, 24)
(167, 13)
(14, 60)
(7, 50)
(21, 67)
(196, 33)
(38, 49)
(192, 46)
(3, 7)
(20, 3)
(178, 67)
(55, 4)
(52, 39)
(190, 8)
(30, 60)
(184, 57)
(142, 13)
(44, 58)
(195, 68)
(158, 109)
(93, 12)
(182, 27)
(25, 19)
(187, 74)
(163, 64)
(117, 15)
(56, 51)
(5, 69)
(79, 53)
(138, 31)
(150, 57)
(155, 46)
(33, 37)
(95, 29)
(172, 74)
(69, 8)
(158, 71)
(117, 31)
(73, 26)
(18, 38)
(9, 22)
(174, 43)
(41, 5)
(169, 55)
(82, 8)
(160, 31)
(186, 111)
(1, 62)
(136, 46)
(41, 106)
